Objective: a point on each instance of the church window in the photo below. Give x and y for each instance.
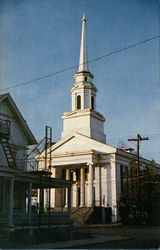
(85, 78)
(92, 102)
(78, 102)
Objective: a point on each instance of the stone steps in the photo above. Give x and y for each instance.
(81, 215)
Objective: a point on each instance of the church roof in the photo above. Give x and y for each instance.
(78, 144)
(15, 111)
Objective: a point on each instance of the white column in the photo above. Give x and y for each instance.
(67, 174)
(29, 201)
(82, 188)
(114, 191)
(53, 191)
(98, 187)
(90, 185)
(46, 197)
(75, 190)
(11, 193)
(67, 178)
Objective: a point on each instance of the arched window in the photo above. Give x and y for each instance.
(78, 102)
(92, 102)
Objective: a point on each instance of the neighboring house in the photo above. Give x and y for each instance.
(16, 183)
(82, 154)
(15, 135)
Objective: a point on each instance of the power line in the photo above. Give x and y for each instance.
(75, 66)
(125, 137)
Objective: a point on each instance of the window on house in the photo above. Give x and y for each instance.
(121, 174)
(124, 178)
(92, 102)
(78, 102)
(85, 78)
(4, 128)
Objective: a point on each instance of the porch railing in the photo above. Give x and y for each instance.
(43, 219)
(36, 219)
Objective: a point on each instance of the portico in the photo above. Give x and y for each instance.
(84, 168)
(82, 188)
(84, 184)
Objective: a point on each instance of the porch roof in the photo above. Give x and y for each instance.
(38, 179)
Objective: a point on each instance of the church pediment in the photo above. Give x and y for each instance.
(80, 144)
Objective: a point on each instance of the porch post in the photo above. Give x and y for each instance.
(3, 194)
(67, 178)
(11, 194)
(82, 188)
(29, 201)
(23, 199)
(90, 185)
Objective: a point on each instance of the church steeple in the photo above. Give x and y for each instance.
(83, 60)
(83, 91)
(84, 118)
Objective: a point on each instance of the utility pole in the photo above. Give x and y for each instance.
(138, 139)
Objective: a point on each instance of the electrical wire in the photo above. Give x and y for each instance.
(75, 66)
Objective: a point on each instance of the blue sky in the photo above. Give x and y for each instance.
(40, 37)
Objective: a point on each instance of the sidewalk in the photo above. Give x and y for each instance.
(77, 243)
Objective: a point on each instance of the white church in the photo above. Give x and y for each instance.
(82, 154)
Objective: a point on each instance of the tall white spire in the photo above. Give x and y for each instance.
(84, 118)
(83, 60)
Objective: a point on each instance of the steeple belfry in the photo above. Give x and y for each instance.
(83, 60)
